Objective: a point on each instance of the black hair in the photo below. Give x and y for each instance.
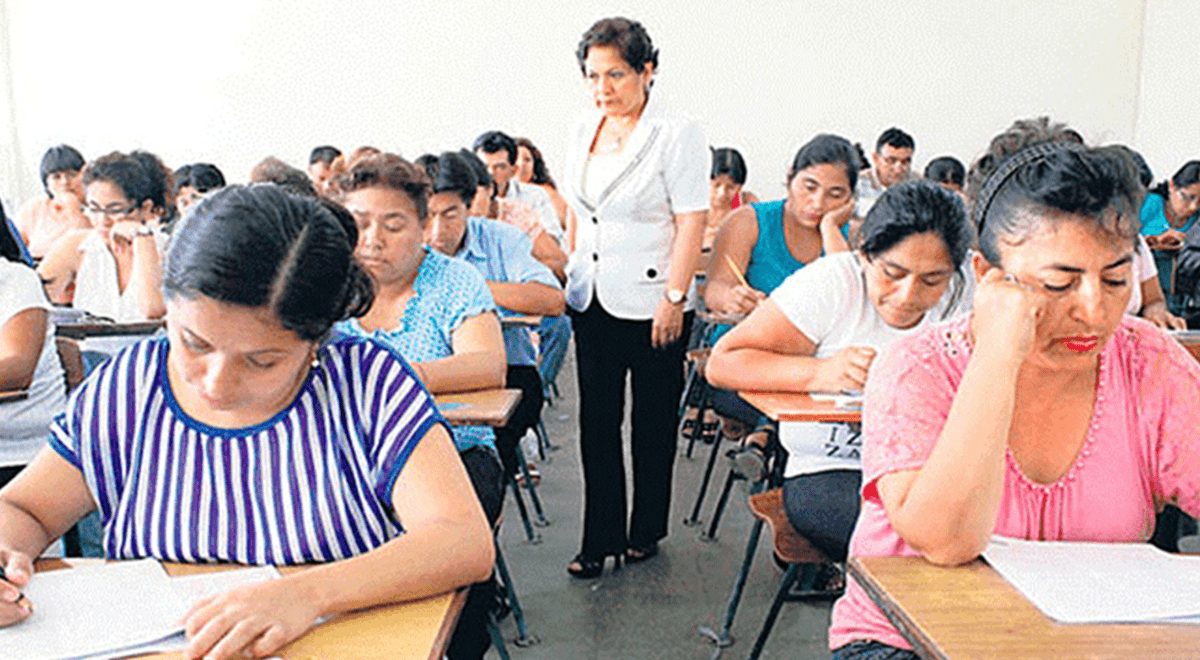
(1047, 171)
(863, 163)
(1187, 175)
(201, 176)
(482, 176)
(629, 38)
(727, 160)
(10, 243)
(826, 148)
(1145, 175)
(324, 154)
(946, 169)
(260, 246)
(493, 141)
(919, 207)
(896, 139)
(541, 175)
(384, 170)
(426, 162)
(61, 158)
(451, 173)
(916, 207)
(139, 175)
(273, 170)
(161, 178)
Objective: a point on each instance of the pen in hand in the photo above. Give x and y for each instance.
(21, 601)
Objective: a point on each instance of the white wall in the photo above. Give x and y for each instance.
(1168, 127)
(242, 79)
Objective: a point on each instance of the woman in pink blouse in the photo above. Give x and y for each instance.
(1048, 414)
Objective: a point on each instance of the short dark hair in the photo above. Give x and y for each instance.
(61, 158)
(896, 139)
(139, 175)
(916, 207)
(482, 176)
(728, 161)
(1053, 175)
(493, 141)
(273, 170)
(451, 173)
(324, 154)
(384, 170)
(919, 207)
(541, 175)
(826, 148)
(629, 37)
(260, 246)
(1187, 175)
(946, 169)
(201, 176)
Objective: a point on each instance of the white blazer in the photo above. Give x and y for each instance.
(623, 239)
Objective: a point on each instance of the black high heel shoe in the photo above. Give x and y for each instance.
(634, 554)
(586, 568)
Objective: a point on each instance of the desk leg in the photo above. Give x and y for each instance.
(724, 639)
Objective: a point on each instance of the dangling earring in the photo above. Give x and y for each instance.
(316, 361)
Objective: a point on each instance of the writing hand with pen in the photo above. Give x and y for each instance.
(15, 571)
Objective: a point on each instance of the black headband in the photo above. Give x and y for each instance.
(1009, 167)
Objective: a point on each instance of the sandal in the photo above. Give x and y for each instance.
(586, 568)
(635, 554)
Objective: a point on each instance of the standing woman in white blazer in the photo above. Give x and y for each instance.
(637, 178)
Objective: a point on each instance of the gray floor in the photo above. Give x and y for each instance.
(653, 609)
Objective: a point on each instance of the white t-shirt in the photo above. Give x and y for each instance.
(25, 424)
(1144, 268)
(827, 301)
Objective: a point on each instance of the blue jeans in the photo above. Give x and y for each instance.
(823, 508)
(555, 334)
(869, 649)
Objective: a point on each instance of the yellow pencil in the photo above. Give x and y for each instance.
(738, 273)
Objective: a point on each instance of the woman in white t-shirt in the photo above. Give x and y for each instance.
(28, 360)
(821, 328)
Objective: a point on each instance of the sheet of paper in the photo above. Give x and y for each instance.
(847, 400)
(1101, 582)
(191, 589)
(84, 610)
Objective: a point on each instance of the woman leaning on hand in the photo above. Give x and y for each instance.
(637, 179)
(1048, 413)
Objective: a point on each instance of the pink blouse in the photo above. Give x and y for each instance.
(1139, 453)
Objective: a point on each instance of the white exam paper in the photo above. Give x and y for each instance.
(1100, 582)
(82, 610)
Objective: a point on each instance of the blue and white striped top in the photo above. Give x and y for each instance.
(311, 484)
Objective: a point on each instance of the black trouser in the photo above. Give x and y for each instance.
(525, 417)
(606, 348)
(471, 639)
(823, 508)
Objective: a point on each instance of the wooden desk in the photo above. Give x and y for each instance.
(507, 322)
(416, 629)
(799, 407)
(13, 395)
(481, 408)
(972, 612)
(106, 329)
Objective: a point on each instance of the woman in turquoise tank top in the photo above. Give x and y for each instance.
(767, 241)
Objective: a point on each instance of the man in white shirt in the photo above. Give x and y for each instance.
(499, 152)
(891, 164)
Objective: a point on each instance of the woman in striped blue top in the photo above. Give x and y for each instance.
(246, 436)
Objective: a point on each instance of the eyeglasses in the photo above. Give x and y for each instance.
(112, 212)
